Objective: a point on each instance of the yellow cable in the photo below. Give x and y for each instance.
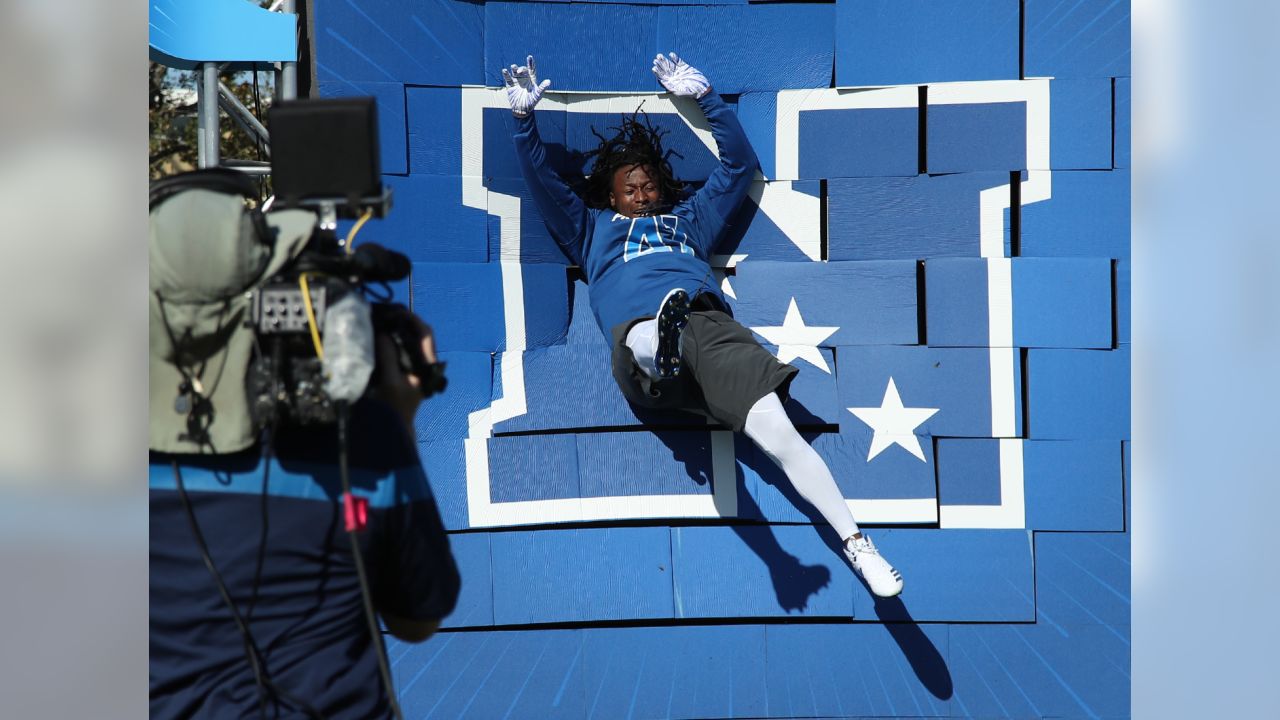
(351, 236)
(311, 315)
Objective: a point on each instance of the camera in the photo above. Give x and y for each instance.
(315, 328)
(265, 318)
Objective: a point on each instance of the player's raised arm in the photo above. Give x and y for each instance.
(726, 188)
(566, 216)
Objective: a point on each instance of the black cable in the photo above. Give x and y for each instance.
(262, 538)
(250, 649)
(366, 595)
(266, 686)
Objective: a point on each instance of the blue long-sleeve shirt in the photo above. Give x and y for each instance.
(631, 263)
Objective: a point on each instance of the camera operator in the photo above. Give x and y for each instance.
(257, 607)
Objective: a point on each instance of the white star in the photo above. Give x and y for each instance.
(893, 424)
(797, 340)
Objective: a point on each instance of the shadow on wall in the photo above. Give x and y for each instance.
(795, 583)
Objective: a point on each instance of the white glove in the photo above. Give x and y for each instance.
(523, 90)
(679, 78)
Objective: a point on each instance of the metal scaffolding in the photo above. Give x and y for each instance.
(212, 95)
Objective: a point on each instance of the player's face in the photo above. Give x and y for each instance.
(635, 190)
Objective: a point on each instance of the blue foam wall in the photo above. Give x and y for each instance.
(1089, 38)
(619, 562)
(907, 218)
(907, 42)
(429, 42)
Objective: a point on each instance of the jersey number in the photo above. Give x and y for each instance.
(656, 234)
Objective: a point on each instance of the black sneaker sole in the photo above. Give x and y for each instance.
(673, 316)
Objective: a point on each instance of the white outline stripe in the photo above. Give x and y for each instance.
(792, 102)
(1011, 512)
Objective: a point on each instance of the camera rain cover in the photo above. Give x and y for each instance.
(204, 256)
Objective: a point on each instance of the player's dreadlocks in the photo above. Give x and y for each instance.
(636, 143)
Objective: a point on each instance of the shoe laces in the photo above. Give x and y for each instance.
(863, 546)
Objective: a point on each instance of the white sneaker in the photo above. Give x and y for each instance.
(874, 570)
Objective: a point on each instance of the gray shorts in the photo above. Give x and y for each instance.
(725, 371)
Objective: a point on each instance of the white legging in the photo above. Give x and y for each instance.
(642, 338)
(771, 430)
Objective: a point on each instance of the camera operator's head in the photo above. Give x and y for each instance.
(207, 249)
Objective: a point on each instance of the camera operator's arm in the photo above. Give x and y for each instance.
(401, 390)
(417, 581)
(409, 630)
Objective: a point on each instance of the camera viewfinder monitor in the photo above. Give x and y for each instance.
(324, 152)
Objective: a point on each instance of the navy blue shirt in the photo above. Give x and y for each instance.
(631, 263)
(307, 617)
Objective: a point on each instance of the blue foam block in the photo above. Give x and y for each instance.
(1083, 578)
(957, 302)
(864, 303)
(907, 218)
(1089, 38)
(663, 462)
(444, 416)
(1062, 302)
(892, 42)
(758, 114)
(1124, 301)
(572, 386)
(1078, 394)
(475, 600)
(859, 143)
(569, 387)
(760, 236)
(465, 305)
(1080, 123)
(582, 574)
(956, 381)
(434, 120)
(758, 571)
(435, 42)
(393, 151)
(956, 575)
(583, 328)
(1088, 216)
(500, 159)
(533, 467)
(536, 243)
(463, 302)
(675, 672)
(429, 223)
(446, 467)
(968, 472)
(1121, 139)
(1074, 485)
(497, 674)
(813, 392)
(726, 42)
(620, 41)
(965, 137)
(893, 473)
(902, 671)
(691, 160)
(546, 304)
(1039, 671)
